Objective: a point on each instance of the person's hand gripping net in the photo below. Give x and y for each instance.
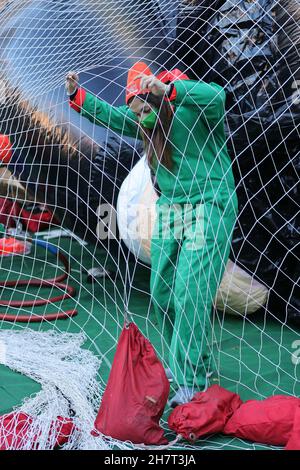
(152, 83)
(72, 82)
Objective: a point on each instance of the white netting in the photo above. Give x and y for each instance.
(97, 182)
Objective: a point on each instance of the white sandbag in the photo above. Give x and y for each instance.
(136, 210)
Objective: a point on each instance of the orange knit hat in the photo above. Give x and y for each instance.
(133, 83)
(5, 149)
(167, 76)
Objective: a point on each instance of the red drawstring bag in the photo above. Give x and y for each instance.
(15, 431)
(294, 440)
(136, 392)
(207, 413)
(268, 421)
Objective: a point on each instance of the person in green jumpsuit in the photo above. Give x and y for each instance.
(196, 211)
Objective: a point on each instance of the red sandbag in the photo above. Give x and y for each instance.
(62, 428)
(294, 440)
(268, 421)
(207, 413)
(36, 219)
(15, 430)
(6, 149)
(136, 392)
(9, 212)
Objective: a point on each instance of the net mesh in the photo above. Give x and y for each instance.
(96, 181)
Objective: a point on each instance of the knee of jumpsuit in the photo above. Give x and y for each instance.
(201, 264)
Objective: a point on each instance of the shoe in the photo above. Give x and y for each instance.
(183, 395)
(169, 374)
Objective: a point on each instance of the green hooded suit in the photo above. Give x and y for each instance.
(196, 214)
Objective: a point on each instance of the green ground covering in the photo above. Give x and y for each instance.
(253, 357)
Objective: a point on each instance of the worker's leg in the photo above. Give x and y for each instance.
(165, 244)
(200, 268)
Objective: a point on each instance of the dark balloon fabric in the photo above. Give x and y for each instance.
(136, 392)
(58, 162)
(77, 178)
(207, 413)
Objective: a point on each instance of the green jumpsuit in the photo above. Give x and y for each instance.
(196, 214)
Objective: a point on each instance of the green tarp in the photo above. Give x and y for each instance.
(253, 357)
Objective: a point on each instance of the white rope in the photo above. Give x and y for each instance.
(70, 376)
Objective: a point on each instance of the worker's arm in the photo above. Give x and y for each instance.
(116, 118)
(208, 97)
